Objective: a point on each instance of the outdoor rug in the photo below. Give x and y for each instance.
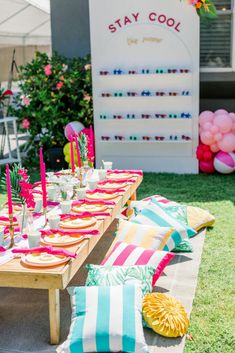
(24, 326)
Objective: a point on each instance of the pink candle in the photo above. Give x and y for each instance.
(9, 196)
(92, 142)
(78, 151)
(72, 155)
(43, 179)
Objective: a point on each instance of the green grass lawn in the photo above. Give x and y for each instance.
(213, 317)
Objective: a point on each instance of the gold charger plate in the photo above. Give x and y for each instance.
(61, 240)
(90, 208)
(78, 223)
(43, 260)
(101, 196)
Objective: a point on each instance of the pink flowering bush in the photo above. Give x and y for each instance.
(54, 92)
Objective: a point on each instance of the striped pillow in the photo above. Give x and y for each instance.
(105, 319)
(155, 215)
(143, 235)
(130, 254)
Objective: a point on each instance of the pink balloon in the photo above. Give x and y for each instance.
(207, 126)
(227, 144)
(206, 138)
(232, 116)
(214, 129)
(224, 122)
(206, 116)
(218, 136)
(214, 147)
(207, 166)
(221, 111)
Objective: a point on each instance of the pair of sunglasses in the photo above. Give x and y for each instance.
(117, 116)
(160, 71)
(185, 93)
(132, 72)
(160, 115)
(146, 138)
(173, 137)
(173, 94)
(185, 115)
(172, 71)
(103, 117)
(159, 138)
(174, 116)
(145, 71)
(160, 94)
(130, 116)
(105, 138)
(187, 138)
(118, 94)
(117, 72)
(106, 95)
(184, 71)
(145, 116)
(132, 94)
(120, 138)
(104, 73)
(133, 138)
(146, 93)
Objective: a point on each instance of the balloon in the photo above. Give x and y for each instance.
(207, 166)
(206, 116)
(73, 128)
(208, 156)
(214, 147)
(227, 144)
(218, 136)
(224, 162)
(224, 122)
(66, 148)
(207, 126)
(214, 129)
(221, 111)
(206, 138)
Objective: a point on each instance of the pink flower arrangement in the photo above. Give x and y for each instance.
(26, 192)
(25, 101)
(59, 85)
(47, 70)
(25, 123)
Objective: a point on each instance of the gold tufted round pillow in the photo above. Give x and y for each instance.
(165, 315)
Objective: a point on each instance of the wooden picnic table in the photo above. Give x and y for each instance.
(14, 274)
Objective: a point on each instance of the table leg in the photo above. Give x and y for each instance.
(54, 315)
(133, 196)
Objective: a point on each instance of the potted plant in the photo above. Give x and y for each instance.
(54, 92)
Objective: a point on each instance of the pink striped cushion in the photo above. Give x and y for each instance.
(160, 199)
(130, 254)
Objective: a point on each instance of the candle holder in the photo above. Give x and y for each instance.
(11, 230)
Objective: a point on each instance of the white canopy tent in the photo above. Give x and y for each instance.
(25, 22)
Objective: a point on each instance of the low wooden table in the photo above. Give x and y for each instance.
(13, 274)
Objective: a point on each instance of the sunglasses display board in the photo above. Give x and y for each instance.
(145, 73)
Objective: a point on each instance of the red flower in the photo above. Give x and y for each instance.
(47, 70)
(26, 189)
(59, 85)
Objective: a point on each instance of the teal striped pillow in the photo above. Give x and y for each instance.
(155, 215)
(105, 319)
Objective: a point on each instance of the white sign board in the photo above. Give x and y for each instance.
(145, 72)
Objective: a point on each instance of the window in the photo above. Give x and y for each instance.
(217, 36)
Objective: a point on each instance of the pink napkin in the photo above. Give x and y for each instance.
(119, 171)
(16, 229)
(47, 249)
(2, 249)
(52, 203)
(110, 192)
(92, 202)
(116, 181)
(69, 232)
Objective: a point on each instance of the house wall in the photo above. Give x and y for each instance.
(71, 37)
